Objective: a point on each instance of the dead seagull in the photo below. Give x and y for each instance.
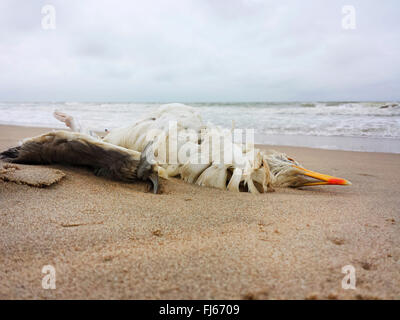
(172, 141)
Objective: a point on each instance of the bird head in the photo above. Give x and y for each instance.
(287, 172)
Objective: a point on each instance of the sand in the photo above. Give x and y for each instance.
(36, 176)
(113, 240)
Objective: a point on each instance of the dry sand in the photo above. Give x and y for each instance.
(108, 239)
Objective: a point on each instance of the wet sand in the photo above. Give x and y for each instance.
(108, 239)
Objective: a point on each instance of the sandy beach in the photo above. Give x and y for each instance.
(113, 240)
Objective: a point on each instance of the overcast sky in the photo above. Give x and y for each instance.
(204, 50)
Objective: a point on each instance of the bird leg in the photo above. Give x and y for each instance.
(69, 121)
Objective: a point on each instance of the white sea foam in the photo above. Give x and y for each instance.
(322, 119)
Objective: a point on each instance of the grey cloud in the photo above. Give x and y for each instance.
(199, 51)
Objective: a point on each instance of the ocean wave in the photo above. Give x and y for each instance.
(353, 119)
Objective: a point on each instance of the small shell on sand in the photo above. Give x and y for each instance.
(35, 176)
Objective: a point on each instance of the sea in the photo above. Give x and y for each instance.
(341, 125)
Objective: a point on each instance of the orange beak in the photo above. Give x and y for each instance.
(324, 179)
